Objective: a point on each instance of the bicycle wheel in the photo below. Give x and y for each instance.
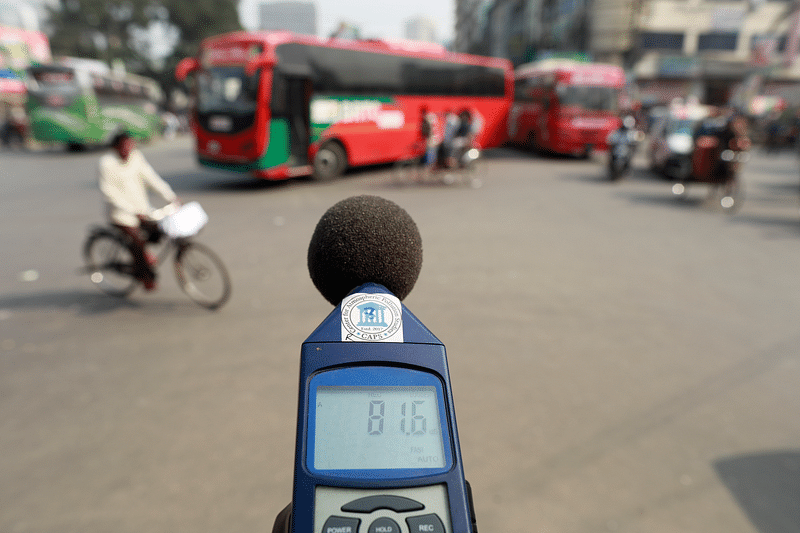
(407, 171)
(473, 170)
(202, 275)
(109, 263)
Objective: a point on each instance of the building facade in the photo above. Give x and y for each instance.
(469, 25)
(718, 51)
(523, 30)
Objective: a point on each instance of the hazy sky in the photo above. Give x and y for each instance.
(376, 18)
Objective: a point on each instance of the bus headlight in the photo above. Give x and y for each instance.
(680, 144)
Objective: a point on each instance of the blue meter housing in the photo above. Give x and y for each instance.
(377, 445)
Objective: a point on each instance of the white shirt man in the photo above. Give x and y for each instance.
(126, 179)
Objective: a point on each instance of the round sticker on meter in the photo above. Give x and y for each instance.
(372, 318)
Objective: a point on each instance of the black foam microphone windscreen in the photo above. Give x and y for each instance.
(364, 239)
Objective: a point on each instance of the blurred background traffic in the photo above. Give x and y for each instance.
(740, 54)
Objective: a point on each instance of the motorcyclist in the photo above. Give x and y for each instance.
(626, 131)
(712, 124)
(732, 136)
(621, 142)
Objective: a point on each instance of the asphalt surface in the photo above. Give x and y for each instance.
(621, 360)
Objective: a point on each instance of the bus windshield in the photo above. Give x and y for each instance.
(590, 98)
(684, 126)
(227, 89)
(54, 88)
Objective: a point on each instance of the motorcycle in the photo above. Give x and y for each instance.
(622, 145)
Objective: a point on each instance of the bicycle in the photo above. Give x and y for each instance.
(465, 166)
(201, 274)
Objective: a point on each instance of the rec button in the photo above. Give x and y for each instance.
(429, 523)
(340, 524)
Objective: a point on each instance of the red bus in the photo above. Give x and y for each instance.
(280, 105)
(564, 106)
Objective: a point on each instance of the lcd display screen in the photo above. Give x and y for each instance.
(377, 427)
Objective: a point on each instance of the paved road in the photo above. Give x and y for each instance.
(621, 361)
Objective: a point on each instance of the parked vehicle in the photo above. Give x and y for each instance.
(82, 102)
(672, 142)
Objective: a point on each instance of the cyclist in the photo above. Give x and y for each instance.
(462, 137)
(125, 179)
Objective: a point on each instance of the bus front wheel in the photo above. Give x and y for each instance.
(330, 161)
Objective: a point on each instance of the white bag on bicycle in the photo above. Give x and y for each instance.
(185, 222)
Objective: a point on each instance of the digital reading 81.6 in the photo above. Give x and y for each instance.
(377, 427)
(411, 423)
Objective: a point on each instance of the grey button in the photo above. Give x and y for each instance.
(370, 504)
(429, 523)
(341, 524)
(384, 525)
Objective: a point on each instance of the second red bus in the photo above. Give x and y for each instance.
(564, 106)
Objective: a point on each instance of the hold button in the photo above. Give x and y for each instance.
(340, 524)
(384, 525)
(429, 523)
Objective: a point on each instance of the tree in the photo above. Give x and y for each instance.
(94, 29)
(198, 19)
(134, 31)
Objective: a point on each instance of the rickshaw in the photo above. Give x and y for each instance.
(719, 168)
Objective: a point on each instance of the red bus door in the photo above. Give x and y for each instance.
(290, 104)
(298, 101)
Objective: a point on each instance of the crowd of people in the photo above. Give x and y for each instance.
(446, 136)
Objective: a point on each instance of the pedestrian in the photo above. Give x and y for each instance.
(430, 133)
